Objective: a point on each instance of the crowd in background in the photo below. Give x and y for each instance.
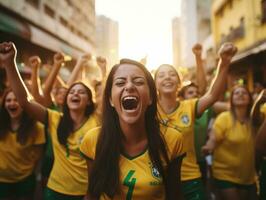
(129, 134)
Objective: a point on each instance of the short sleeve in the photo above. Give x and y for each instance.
(174, 142)
(88, 144)
(220, 125)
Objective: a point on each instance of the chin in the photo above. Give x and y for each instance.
(130, 120)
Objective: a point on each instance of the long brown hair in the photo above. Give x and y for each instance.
(105, 172)
(65, 127)
(232, 107)
(27, 124)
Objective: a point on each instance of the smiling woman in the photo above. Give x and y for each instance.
(21, 144)
(137, 151)
(68, 178)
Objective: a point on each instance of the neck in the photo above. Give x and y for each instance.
(241, 113)
(133, 133)
(168, 103)
(15, 123)
(135, 138)
(78, 118)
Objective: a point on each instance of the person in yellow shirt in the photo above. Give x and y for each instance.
(181, 115)
(68, 178)
(21, 145)
(232, 144)
(130, 156)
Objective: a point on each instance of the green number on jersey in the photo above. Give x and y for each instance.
(130, 184)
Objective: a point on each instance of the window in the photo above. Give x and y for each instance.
(34, 3)
(63, 21)
(49, 11)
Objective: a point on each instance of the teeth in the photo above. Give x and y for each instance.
(130, 98)
(130, 103)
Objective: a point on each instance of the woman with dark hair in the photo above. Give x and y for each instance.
(130, 156)
(21, 146)
(181, 115)
(68, 178)
(232, 143)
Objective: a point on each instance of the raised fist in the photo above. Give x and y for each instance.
(84, 59)
(8, 54)
(34, 61)
(227, 52)
(197, 49)
(59, 58)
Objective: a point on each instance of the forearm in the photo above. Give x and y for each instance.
(216, 89)
(74, 75)
(200, 75)
(219, 82)
(48, 85)
(17, 84)
(35, 85)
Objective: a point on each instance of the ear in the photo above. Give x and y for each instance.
(111, 102)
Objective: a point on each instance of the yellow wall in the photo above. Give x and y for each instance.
(227, 13)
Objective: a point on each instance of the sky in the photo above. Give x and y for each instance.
(144, 27)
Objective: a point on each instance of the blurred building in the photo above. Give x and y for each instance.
(244, 24)
(107, 39)
(176, 42)
(191, 27)
(43, 27)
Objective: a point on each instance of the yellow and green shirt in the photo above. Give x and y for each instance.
(69, 174)
(18, 161)
(233, 158)
(183, 120)
(139, 179)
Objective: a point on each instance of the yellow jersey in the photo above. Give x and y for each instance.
(233, 158)
(183, 120)
(18, 161)
(263, 109)
(139, 179)
(69, 174)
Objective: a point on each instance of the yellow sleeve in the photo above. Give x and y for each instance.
(192, 104)
(40, 134)
(88, 144)
(220, 125)
(174, 142)
(53, 119)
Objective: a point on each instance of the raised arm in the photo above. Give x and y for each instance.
(102, 64)
(49, 82)
(261, 139)
(34, 63)
(200, 73)
(78, 68)
(226, 53)
(8, 54)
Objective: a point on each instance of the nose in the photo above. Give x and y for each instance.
(129, 86)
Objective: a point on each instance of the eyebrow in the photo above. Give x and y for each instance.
(142, 77)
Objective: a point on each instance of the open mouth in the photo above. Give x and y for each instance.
(130, 103)
(12, 109)
(75, 100)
